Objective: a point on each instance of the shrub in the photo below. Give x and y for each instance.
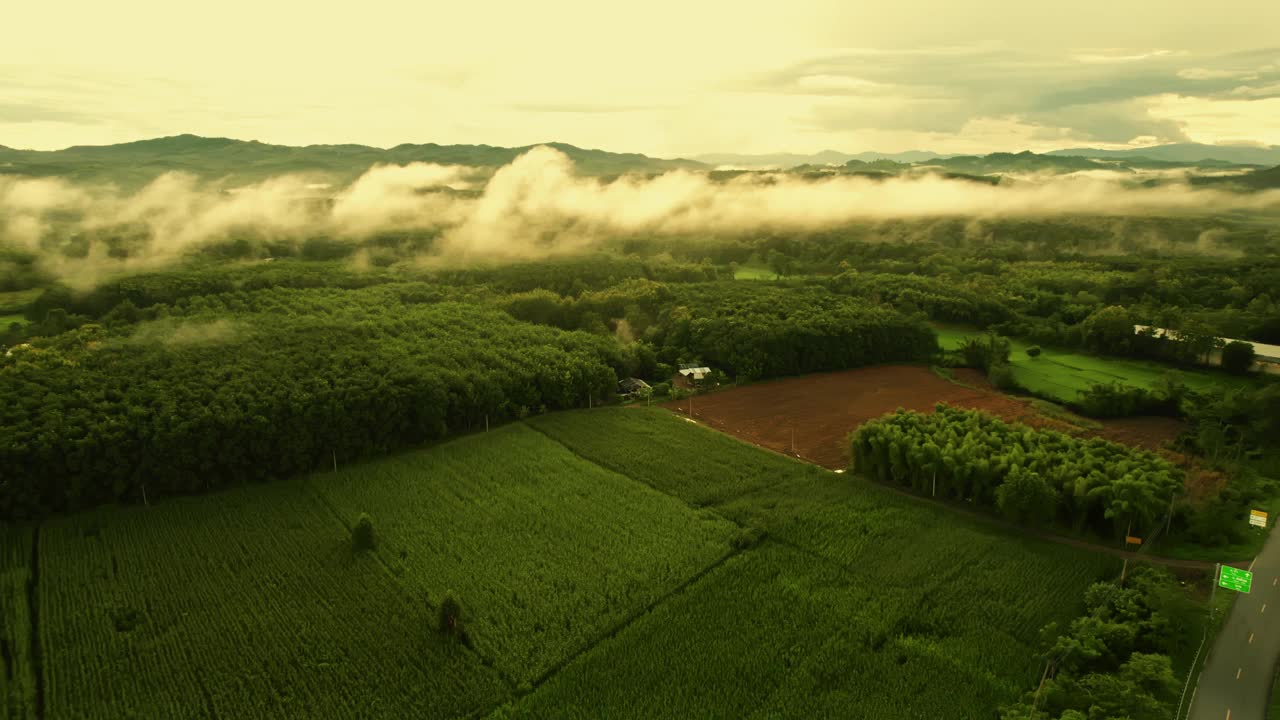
(362, 534)
(450, 623)
(747, 538)
(1025, 497)
(1001, 376)
(1237, 357)
(1033, 351)
(985, 351)
(1119, 400)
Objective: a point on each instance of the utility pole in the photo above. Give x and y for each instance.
(1217, 573)
(335, 461)
(1035, 702)
(1125, 570)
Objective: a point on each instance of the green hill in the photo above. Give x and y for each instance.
(1186, 153)
(136, 163)
(1268, 179)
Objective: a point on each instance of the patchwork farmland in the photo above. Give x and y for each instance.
(616, 562)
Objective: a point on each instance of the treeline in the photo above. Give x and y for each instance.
(939, 298)
(1115, 660)
(565, 276)
(170, 391)
(252, 386)
(1032, 476)
(748, 330)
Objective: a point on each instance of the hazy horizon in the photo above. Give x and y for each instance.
(623, 150)
(668, 81)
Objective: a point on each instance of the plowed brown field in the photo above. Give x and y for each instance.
(811, 416)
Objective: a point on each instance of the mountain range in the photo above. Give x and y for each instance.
(1268, 155)
(826, 157)
(133, 164)
(1176, 154)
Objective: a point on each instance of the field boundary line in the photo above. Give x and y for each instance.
(1190, 672)
(395, 580)
(624, 623)
(1052, 536)
(33, 612)
(711, 505)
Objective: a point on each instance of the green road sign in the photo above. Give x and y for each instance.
(1234, 579)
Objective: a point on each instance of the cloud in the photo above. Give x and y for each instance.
(19, 112)
(1207, 74)
(1117, 58)
(580, 107)
(1113, 122)
(390, 196)
(535, 206)
(1103, 96)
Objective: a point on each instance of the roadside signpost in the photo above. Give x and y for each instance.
(1234, 579)
(1257, 518)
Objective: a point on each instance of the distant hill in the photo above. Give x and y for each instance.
(1268, 179)
(1187, 153)
(826, 157)
(136, 163)
(992, 167)
(1023, 162)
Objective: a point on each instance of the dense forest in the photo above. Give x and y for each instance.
(1032, 476)
(192, 381)
(252, 359)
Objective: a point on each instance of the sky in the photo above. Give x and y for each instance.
(665, 77)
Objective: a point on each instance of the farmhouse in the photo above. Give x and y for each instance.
(695, 373)
(632, 386)
(690, 375)
(1266, 358)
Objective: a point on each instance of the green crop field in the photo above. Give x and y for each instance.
(17, 671)
(656, 448)
(610, 564)
(779, 632)
(13, 301)
(243, 604)
(1062, 374)
(956, 598)
(754, 273)
(548, 549)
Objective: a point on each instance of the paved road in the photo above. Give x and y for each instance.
(1236, 682)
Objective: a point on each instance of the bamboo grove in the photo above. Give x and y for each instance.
(1034, 476)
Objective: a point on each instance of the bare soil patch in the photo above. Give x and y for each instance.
(811, 416)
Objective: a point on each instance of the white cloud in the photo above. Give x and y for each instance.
(1096, 59)
(1206, 74)
(515, 74)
